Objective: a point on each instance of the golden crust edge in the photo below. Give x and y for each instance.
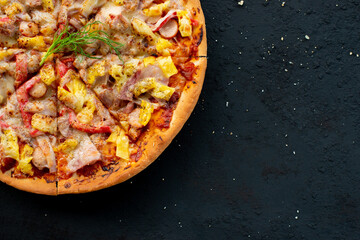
(203, 45)
(159, 140)
(38, 185)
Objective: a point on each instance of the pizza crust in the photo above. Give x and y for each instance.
(34, 185)
(154, 142)
(201, 18)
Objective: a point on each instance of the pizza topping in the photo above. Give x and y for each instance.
(38, 158)
(23, 98)
(47, 74)
(162, 91)
(6, 87)
(48, 5)
(157, 10)
(68, 146)
(149, 61)
(12, 9)
(95, 71)
(87, 113)
(9, 142)
(155, 88)
(62, 67)
(117, 72)
(25, 159)
(38, 90)
(75, 96)
(146, 109)
(43, 106)
(29, 29)
(170, 29)
(76, 41)
(126, 93)
(134, 119)
(21, 70)
(167, 66)
(185, 27)
(33, 3)
(75, 123)
(162, 46)
(48, 152)
(89, 6)
(144, 86)
(122, 143)
(34, 58)
(44, 123)
(8, 27)
(170, 15)
(46, 21)
(36, 43)
(143, 29)
(6, 54)
(85, 154)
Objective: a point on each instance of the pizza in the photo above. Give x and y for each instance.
(93, 91)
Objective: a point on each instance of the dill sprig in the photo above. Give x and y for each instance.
(75, 41)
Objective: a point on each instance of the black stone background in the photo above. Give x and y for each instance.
(281, 161)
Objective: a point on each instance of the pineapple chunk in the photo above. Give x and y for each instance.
(122, 143)
(118, 2)
(146, 109)
(47, 74)
(144, 86)
(167, 66)
(87, 113)
(143, 29)
(25, 159)
(185, 27)
(162, 46)
(149, 61)
(113, 137)
(44, 123)
(68, 98)
(48, 5)
(78, 88)
(156, 10)
(131, 66)
(13, 9)
(49, 58)
(9, 141)
(3, 2)
(116, 71)
(75, 97)
(122, 146)
(6, 53)
(96, 70)
(162, 91)
(67, 146)
(36, 43)
(47, 31)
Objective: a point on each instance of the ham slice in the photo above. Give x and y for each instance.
(85, 154)
(162, 21)
(48, 153)
(126, 93)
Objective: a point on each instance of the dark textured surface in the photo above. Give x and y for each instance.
(279, 161)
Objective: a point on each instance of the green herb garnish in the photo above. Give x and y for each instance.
(75, 42)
